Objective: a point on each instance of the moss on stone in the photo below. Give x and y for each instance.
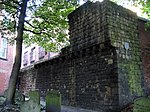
(53, 101)
(35, 96)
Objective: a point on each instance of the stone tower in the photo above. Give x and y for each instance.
(114, 27)
(101, 69)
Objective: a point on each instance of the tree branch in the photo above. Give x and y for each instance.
(33, 31)
(34, 26)
(37, 33)
(30, 24)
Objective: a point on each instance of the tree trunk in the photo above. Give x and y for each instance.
(17, 63)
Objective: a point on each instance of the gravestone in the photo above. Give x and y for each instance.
(53, 101)
(33, 104)
(142, 105)
(35, 96)
(30, 106)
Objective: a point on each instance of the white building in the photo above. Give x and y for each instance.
(33, 54)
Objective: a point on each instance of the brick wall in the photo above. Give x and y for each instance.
(144, 34)
(5, 64)
(5, 69)
(101, 69)
(27, 80)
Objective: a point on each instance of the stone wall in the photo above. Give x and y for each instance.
(87, 80)
(123, 33)
(27, 80)
(101, 69)
(88, 26)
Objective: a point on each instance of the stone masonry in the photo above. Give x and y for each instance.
(102, 68)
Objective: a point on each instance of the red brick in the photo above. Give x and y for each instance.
(145, 52)
(5, 69)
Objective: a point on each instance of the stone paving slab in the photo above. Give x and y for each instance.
(75, 109)
(70, 109)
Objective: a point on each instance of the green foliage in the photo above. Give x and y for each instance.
(49, 24)
(145, 4)
(46, 21)
(10, 9)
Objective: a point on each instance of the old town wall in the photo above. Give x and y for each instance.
(102, 69)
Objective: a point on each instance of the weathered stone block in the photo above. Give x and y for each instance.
(30, 106)
(35, 96)
(53, 101)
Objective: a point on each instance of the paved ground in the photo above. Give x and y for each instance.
(73, 109)
(70, 109)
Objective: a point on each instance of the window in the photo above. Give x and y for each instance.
(32, 55)
(3, 48)
(41, 52)
(25, 58)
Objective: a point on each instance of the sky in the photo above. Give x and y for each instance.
(126, 5)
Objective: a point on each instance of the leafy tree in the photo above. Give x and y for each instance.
(48, 19)
(12, 6)
(49, 24)
(145, 6)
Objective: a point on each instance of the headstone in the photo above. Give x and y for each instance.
(142, 105)
(30, 106)
(35, 96)
(53, 101)
(33, 104)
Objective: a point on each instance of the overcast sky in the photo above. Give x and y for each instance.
(126, 4)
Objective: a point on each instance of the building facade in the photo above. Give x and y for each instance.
(34, 54)
(6, 58)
